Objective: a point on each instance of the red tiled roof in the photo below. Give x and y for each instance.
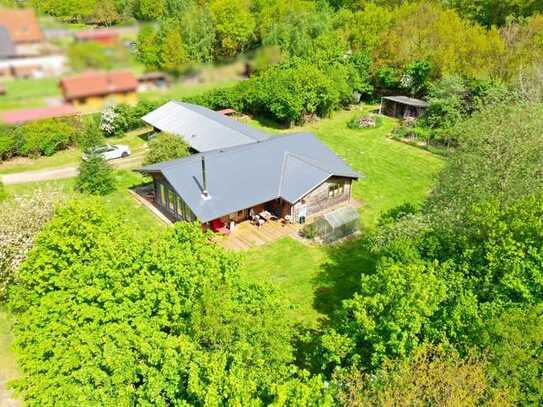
(96, 34)
(22, 25)
(28, 115)
(95, 83)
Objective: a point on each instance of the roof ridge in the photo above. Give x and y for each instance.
(309, 162)
(282, 173)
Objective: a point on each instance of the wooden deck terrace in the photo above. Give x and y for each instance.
(247, 235)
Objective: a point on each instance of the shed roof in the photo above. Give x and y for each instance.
(98, 83)
(7, 48)
(404, 100)
(240, 177)
(202, 128)
(26, 115)
(22, 25)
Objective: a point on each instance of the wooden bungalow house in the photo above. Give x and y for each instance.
(292, 177)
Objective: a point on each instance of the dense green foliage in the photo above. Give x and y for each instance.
(166, 147)
(466, 268)
(46, 137)
(108, 314)
(95, 176)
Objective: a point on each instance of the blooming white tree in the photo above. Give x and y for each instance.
(107, 121)
(21, 218)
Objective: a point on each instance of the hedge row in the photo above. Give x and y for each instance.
(44, 137)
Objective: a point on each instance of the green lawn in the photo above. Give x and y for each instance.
(28, 93)
(315, 279)
(8, 367)
(68, 157)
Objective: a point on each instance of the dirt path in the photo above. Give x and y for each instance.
(70, 171)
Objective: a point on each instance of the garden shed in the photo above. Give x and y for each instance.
(402, 107)
(338, 224)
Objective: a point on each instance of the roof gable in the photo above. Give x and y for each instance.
(22, 25)
(202, 128)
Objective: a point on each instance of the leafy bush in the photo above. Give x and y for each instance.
(90, 135)
(95, 176)
(10, 142)
(117, 120)
(21, 218)
(434, 375)
(310, 231)
(166, 147)
(45, 137)
(155, 318)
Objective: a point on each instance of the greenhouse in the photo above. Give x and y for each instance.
(337, 224)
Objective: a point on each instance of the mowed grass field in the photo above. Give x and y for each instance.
(314, 279)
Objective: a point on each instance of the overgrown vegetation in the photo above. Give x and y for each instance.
(465, 268)
(166, 147)
(46, 137)
(21, 218)
(142, 295)
(95, 176)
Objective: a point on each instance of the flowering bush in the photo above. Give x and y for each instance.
(107, 121)
(21, 218)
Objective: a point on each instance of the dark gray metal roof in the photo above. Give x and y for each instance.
(404, 100)
(285, 167)
(7, 48)
(202, 128)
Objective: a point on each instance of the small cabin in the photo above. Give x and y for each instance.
(402, 107)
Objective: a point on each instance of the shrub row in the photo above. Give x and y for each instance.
(44, 137)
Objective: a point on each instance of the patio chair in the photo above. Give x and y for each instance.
(218, 227)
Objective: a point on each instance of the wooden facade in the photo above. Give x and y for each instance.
(332, 192)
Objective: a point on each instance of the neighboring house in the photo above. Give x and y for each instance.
(91, 90)
(402, 107)
(293, 177)
(23, 52)
(23, 29)
(21, 116)
(202, 128)
(104, 36)
(33, 67)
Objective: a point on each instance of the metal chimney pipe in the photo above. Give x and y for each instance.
(204, 178)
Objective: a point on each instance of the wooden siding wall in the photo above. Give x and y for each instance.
(319, 199)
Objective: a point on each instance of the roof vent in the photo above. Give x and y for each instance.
(205, 193)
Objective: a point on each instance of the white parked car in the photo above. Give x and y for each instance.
(110, 151)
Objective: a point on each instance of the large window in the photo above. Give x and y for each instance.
(336, 189)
